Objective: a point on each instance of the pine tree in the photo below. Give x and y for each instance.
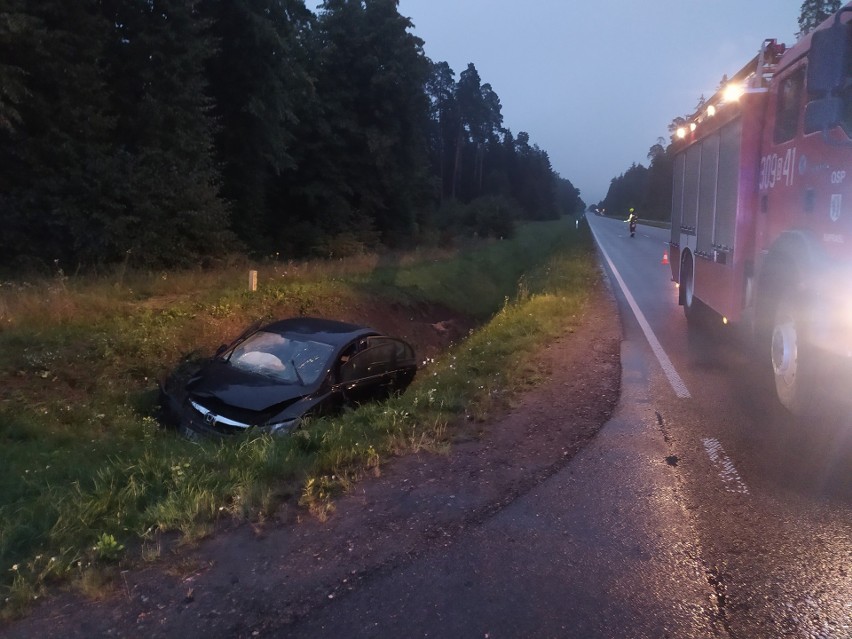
(568, 197)
(627, 191)
(814, 12)
(480, 120)
(444, 115)
(364, 166)
(13, 90)
(172, 211)
(57, 160)
(261, 87)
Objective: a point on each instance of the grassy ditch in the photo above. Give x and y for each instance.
(88, 479)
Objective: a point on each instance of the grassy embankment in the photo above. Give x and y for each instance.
(88, 479)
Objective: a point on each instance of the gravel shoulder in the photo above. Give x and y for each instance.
(249, 579)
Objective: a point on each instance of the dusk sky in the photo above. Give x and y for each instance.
(595, 84)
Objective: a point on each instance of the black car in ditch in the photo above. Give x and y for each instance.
(271, 377)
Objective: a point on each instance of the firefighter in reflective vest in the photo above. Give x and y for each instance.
(631, 222)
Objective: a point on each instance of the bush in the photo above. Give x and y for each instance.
(488, 216)
(494, 216)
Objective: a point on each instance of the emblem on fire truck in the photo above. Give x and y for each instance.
(834, 208)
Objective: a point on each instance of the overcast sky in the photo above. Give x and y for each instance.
(596, 83)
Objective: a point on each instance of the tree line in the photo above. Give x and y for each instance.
(169, 133)
(648, 189)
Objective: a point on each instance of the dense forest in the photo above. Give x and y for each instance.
(168, 133)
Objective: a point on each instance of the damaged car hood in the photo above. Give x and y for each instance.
(242, 390)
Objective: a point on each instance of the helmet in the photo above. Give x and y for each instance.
(631, 209)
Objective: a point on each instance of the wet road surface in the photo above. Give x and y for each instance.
(604, 548)
(771, 495)
(700, 510)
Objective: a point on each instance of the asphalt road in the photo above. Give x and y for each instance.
(771, 496)
(700, 510)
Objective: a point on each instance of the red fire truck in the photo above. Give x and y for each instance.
(762, 210)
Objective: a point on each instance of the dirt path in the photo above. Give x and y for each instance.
(249, 579)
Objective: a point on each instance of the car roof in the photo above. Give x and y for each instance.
(320, 329)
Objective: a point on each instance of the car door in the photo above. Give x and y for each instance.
(377, 369)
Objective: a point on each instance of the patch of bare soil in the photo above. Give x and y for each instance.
(254, 580)
(429, 328)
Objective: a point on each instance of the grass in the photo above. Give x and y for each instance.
(89, 480)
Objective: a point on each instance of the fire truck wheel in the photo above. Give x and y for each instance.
(793, 360)
(687, 288)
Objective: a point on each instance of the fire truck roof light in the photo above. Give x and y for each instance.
(711, 111)
(733, 92)
(681, 132)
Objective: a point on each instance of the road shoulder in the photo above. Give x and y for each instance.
(256, 577)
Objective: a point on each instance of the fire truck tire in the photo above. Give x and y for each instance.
(793, 360)
(687, 288)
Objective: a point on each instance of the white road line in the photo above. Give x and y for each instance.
(675, 380)
(730, 477)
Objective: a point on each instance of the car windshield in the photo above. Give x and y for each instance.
(289, 359)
